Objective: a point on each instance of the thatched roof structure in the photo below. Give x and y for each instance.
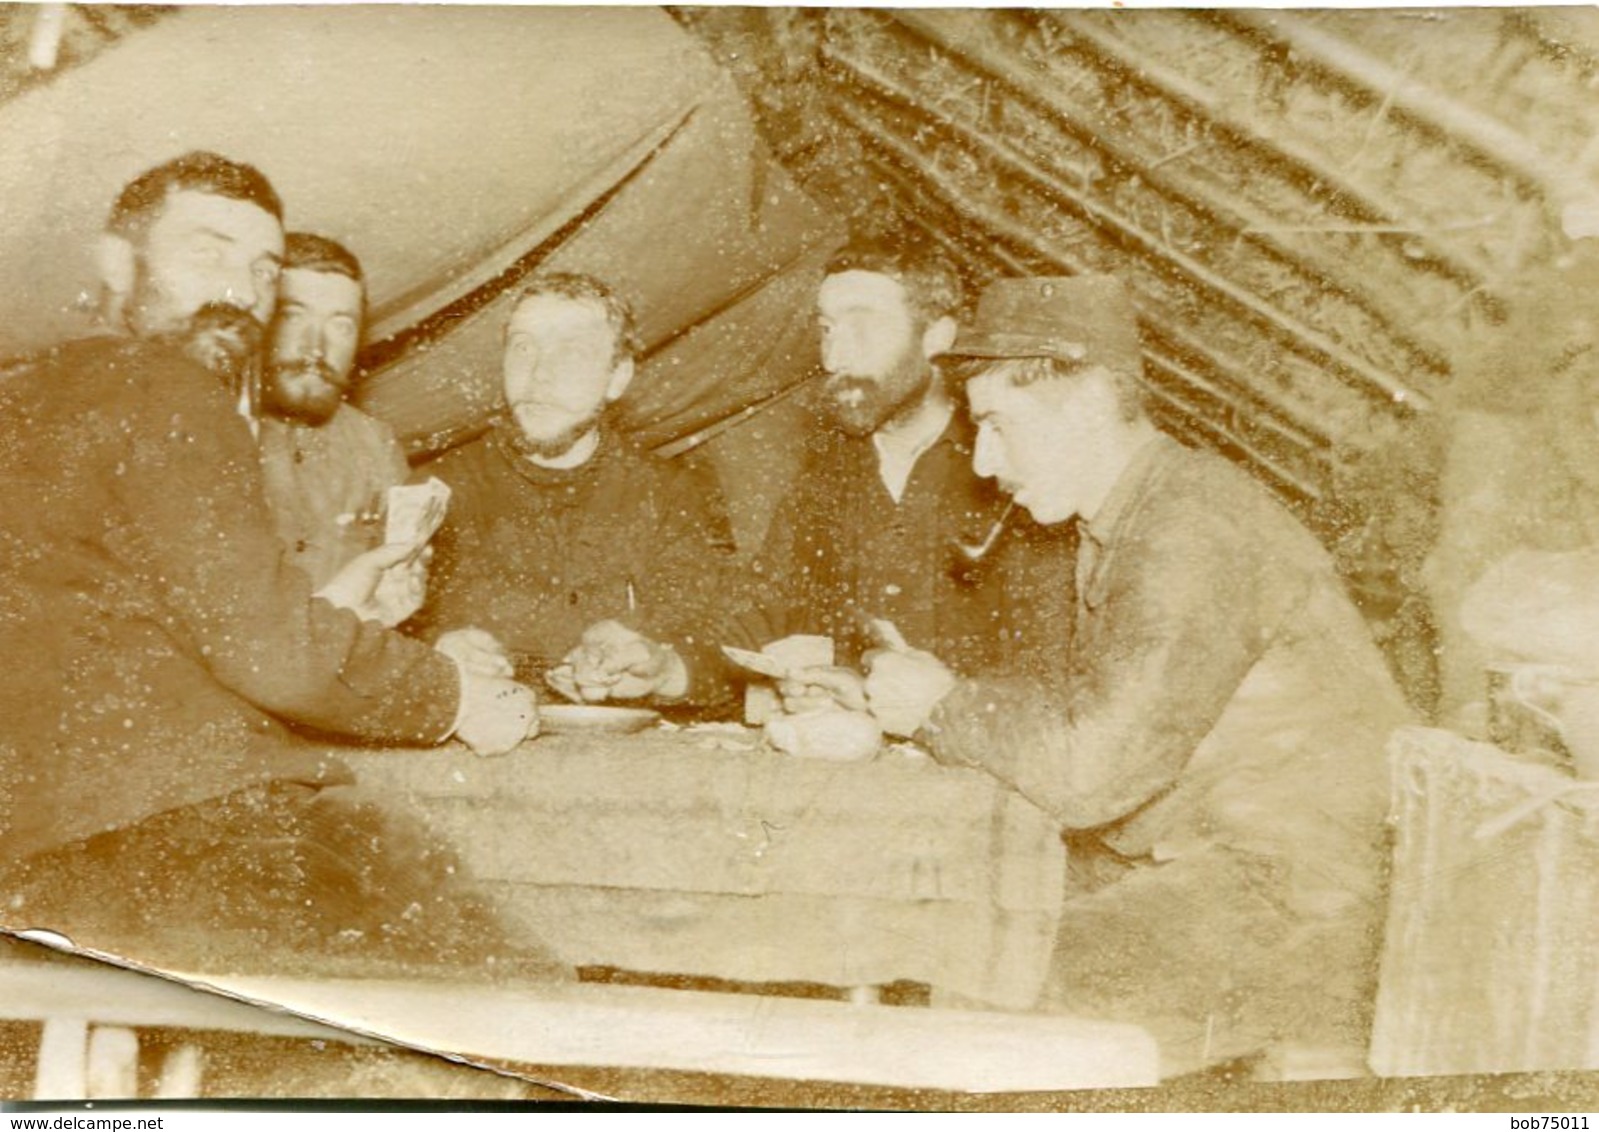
(1320, 211)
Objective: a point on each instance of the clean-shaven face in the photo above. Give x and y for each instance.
(1043, 443)
(871, 350)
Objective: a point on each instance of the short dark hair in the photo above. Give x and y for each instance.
(929, 279)
(1131, 396)
(586, 288)
(310, 252)
(143, 198)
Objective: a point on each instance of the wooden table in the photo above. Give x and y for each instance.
(1491, 962)
(695, 853)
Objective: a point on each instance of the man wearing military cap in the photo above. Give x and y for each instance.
(885, 520)
(1216, 755)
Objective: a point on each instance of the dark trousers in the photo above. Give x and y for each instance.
(1207, 954)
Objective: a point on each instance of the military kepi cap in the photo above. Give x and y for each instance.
(1075, 319)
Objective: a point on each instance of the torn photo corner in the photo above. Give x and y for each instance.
(110, 1029)
(1355, 297)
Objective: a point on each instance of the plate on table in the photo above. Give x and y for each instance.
(571, 719)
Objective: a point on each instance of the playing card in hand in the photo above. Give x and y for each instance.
(415, 512)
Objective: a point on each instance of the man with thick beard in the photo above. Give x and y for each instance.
(886, 519)
(599, 565)
(154, 799)
(326, 465)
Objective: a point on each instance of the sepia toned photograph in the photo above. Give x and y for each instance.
(800, 557)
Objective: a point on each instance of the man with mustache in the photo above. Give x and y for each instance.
(887, 520)
(154, 798)
(325, 464)
(598, 565)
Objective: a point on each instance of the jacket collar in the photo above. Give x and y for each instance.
(1103, 535)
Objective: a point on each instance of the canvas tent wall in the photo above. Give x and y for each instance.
(455, 150)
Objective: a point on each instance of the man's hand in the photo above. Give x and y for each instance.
(402, 589)
(613, 662)
(903, 686)
(822, 686)
(355, 586)
(477, 652)
(495, 714)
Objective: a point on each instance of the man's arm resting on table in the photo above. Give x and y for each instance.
(1179, 628)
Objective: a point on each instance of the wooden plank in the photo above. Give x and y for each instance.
(182, 1071)
(769, 1037)
(996, 960)
(58, 990)
(744, 826)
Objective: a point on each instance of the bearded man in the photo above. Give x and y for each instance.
(154, 798)
(1215, 757)
(325, 464)
(887, 519)
(598, 565)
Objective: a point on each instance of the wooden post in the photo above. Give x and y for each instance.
(62, 1072)
(113, 1063)
(44, 44)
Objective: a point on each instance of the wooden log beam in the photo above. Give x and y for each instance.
(1177, 341)
(44, 40)
(62, 1064)
(574, 1024)
(1228, 442)
(1501, 147)
(1161, 358)
(95, 992)
(1192, 420)
(957, 34)
(1293, 333)
(1555, 35)
(1284, 153)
